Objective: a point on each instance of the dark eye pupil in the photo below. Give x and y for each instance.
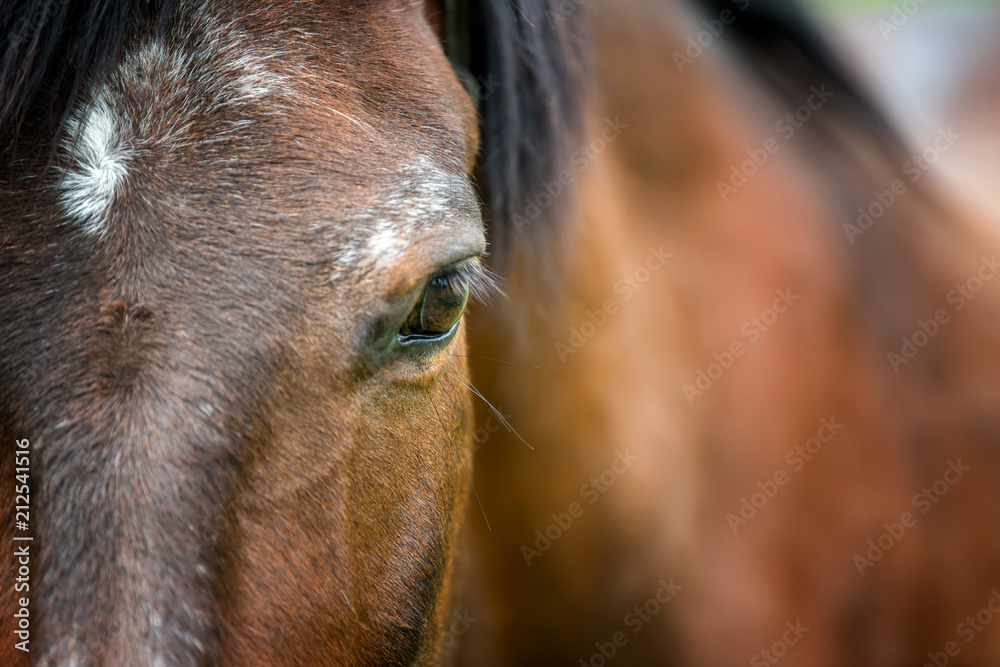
(442, 306)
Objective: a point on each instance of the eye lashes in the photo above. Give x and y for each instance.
(484, 284)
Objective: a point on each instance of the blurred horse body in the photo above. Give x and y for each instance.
(776, 453)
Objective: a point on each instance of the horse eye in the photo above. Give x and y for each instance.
(444, 300)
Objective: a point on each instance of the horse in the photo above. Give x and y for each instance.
(240, 242)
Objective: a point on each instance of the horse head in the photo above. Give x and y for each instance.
(231, 319)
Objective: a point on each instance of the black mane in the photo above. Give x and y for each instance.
(52, 48)
(528, 60)
(783, 46)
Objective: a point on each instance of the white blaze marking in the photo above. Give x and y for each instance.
(102, 139)
(424, 200)
(386, 242)
(97, 165)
